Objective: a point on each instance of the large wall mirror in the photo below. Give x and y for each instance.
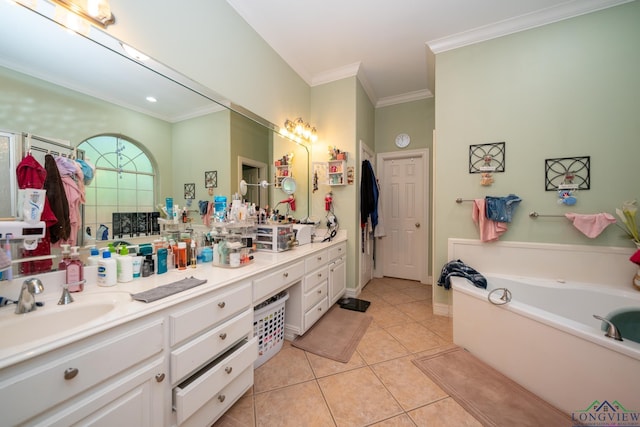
(66, 87)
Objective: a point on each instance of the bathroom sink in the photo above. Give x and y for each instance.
(53, 319)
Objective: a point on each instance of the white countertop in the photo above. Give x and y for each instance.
(125, 309)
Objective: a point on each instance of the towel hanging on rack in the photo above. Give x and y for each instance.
(591, 225)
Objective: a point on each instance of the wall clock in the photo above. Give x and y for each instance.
(402, 140)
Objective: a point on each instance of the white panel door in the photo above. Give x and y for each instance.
(403, 193)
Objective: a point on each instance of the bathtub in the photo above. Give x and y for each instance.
(548, 341)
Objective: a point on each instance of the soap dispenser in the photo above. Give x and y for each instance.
(75, 271)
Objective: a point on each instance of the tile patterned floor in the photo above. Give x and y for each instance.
(379, 386)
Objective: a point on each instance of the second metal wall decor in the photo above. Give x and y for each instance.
(211, 179)
(567, 173)
(487, 157)
(190, 191)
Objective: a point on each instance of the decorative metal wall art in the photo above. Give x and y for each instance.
(190, 191)
(211, 179)
(570, 173)
(485, 158)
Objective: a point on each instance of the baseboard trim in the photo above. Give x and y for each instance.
(442, 309)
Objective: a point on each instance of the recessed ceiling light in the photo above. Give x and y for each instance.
(151, 99)
(137, 55)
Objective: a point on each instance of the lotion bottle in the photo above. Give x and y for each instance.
(75, 271)
(94, 256)
(124, 266)
(107, 270)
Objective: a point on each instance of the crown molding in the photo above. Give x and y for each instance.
(334, 74)
(524, 22)
(405, 97)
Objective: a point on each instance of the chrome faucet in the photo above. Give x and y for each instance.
(612, 330)
(27, 300)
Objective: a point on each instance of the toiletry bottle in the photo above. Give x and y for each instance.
(182, 255)
(124, 265)
(107, 270)
(162, 260)
(66, 257)
(93, 257)
(75, 272)
(194, 254)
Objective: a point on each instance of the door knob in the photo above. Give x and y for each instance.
(417, 225)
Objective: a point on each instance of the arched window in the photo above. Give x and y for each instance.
(124, 181)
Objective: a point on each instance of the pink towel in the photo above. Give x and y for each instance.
(591, 225)
(490, 230)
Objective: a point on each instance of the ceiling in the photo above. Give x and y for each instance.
(389, 44)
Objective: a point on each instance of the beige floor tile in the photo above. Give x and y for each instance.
(385, 316)
(418, 310)
(441, 325)
(408, 384)
(400, 421)
(296, 405)
(432, 351)
(416, 337)
(289, 366)
(378, 345)
(444, 413)
(379, 286)
(323, 367)
(241, 414)
(396, 297)
(358, 398)
(418, 294)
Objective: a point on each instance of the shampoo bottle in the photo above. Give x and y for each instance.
(107, 270)
(124, 266)
(75, 272)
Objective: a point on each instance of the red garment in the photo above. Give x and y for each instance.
(30, 174)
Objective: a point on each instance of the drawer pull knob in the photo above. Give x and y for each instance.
(221, 398)
(319, 308)
(70, 373)
(319, 291)
(319, 258)
(160, 377)
(319, 274)
(286, 274)
(221, 304)
(228, 369)
(223, 335)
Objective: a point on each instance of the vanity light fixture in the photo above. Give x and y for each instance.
(98, 12)
(299, 130)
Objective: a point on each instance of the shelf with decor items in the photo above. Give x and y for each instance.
(283, 169)
(336, 172)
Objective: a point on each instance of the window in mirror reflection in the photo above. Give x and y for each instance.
(124, 182)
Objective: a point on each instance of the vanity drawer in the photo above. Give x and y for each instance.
(194, 319)
(197, 352)
(338, 250)
(65, 373)
(273, 283)
(192, 395)
(316, 260)
(311, 280)
(315, 313)
(316, 295)
(221, 401)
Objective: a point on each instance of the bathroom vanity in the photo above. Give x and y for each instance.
(182, 360)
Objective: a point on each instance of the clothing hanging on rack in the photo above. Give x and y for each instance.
(71, 176)
(58, 201)
(31, 174)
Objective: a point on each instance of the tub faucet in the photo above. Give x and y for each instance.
(27, 300)
(612, 331)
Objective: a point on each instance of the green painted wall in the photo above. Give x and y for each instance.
(416, 118)
(202, 144)
(567, 89)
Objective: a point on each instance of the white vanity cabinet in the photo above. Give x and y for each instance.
(337, 272)
(212, 354)
(102, 380)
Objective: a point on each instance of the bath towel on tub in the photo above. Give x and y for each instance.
(460, 269)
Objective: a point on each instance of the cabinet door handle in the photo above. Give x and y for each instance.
(221, 398)
(223, 335)
(160, 377)
(286, 275)
(221, 304)
(70, 373)
(228, 369)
